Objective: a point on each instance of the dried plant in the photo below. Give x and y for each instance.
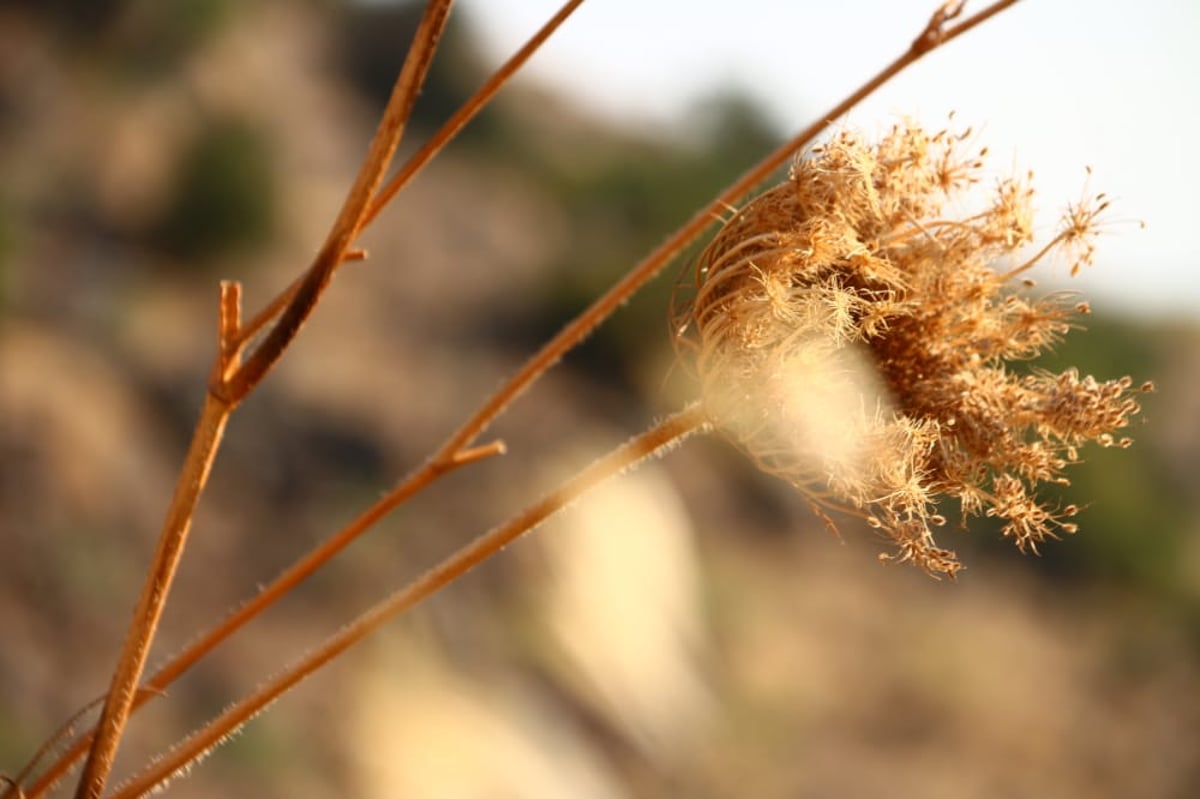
(848, 286)
(856, 340)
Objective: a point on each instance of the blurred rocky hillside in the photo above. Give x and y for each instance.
(690, 631)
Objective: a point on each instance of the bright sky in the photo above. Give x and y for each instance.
(1053, 85)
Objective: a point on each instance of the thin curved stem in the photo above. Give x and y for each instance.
(932, 36)
(669, 432)
(468, 110)
(226, 390)
(436, 143)
(192, 478)
(300, 301)
(351, 218)
(65, 731)
(179, 664)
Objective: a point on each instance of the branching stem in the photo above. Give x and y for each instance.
(934, 35)
(148, 610)
(179, 664)
(363, 204)
(671, 431)
(226, 390)
(468, 111)
(234, 379)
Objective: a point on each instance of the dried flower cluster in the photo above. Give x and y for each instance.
(856, 339)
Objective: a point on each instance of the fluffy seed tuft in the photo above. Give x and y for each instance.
(857, 340)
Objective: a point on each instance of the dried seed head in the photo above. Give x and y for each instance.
(854, 339)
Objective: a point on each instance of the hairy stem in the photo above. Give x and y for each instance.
(192, 478)
(671, 431)
(179, 664)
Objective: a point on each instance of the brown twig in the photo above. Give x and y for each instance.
(363, 204)
(669, 432)
(235, 336)
(444, 135)
(469, 110)
(932, 36)
(352, 217)
(148, 611)
(178, 665)
(226, 390)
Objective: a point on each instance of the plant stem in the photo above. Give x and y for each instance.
(234, 336)
(157, 683)
(362, 204)
(468, 110)
(352, 217)
(444, 135)
(931, 37)
(663, 435)
(192, 478)
(225, 392)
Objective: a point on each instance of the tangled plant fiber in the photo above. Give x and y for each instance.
(856, 339)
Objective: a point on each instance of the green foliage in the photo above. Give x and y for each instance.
(223, 198)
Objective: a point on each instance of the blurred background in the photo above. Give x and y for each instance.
(691, 629)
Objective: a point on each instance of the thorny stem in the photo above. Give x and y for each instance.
(654, 441)
(225, 391)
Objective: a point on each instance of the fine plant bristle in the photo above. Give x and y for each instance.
(856, 339)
